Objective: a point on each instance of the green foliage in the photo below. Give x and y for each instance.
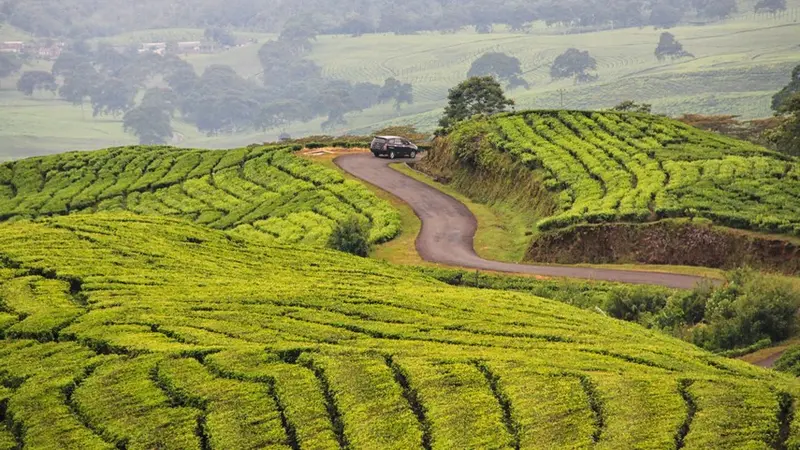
(631, 106)
(786, 136)
(604, 167)
(668, 46)
(350, 236)
(477, 95)
(789, 361)
(788, 91)
(501, 66)
(9, 65)
(208, 340)
(36, 80)
(262, 191)
(574, 63)
(751, 307)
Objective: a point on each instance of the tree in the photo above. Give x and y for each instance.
(220, 36)
(477, 95)
(574, 63)
(395, 90)
(66, 63)
(113, 97)
(786, 137)
(223, 102)
(770, 6)
(631, 106)
(9, 65)
(36, 80)
(163, 99)
(788, 91)
(501, 66)
(665, 15)
(351, 236)
(668, 46)
(151, 125)
(80, 84)
(715, 9)
(299, 31)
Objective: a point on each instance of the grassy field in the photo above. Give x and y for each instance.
(739, 64)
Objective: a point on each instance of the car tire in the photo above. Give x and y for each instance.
(412, 155)
(391, 155)
(375, 155)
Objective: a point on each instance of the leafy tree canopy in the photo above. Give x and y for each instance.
(668, 46)
(150, 124)
(790, 89)
(574, 63)
(9, 65)
(501, 66)
(770, 6)
(477, 95)
(36, 80)
(631, 106)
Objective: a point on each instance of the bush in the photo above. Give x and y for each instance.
(790, 361)
(351, 236)
(750, 308)
(636, 302)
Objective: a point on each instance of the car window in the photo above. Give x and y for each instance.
(405, 142)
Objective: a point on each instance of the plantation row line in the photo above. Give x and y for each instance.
(253, 189)
(253, 399)
(169, 337)
(606, 167)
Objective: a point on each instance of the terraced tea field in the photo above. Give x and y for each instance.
(607, 167)
(125, 331)
(265, 192)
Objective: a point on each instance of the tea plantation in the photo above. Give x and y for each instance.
(605, 167)
(262, 191)
(143, 332)
(197, 324)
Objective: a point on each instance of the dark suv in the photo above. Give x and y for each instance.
(393, 147)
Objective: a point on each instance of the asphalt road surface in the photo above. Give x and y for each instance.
(448, 229)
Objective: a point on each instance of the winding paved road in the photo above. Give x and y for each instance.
(448, 228)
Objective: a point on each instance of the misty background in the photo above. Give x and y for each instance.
(83, 74)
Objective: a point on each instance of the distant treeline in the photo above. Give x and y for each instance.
(81, 19)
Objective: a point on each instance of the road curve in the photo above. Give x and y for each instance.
(448, 229)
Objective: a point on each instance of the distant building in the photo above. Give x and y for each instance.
(12, 47)
(51, 50)
(189, 47)
(154, 47)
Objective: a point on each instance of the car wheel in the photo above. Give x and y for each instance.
(375, 155)
(391, 155)
(412, 155)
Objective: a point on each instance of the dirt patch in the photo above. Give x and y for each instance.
(331, 151)
(669, 242)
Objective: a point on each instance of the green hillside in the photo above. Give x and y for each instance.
(262, 191)
(601, 168)
(142, 332)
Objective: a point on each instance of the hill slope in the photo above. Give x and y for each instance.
(568, 169)
(142, 332)
(262, 191)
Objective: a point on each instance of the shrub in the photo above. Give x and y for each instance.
(351, 236)
(634, 303)
(790, 361)
(751, 307)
